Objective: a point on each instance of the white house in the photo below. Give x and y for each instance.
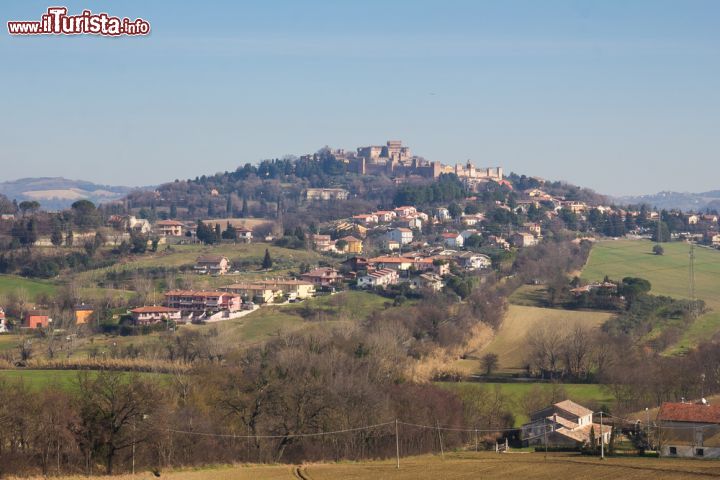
(400, 235)
(473, 261)
(442, 214)
(429, 280)
(453, 239)
(469, 233)
(378, 278)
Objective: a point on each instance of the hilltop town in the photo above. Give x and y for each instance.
(422, 271)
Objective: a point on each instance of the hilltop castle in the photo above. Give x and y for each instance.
(396, 160)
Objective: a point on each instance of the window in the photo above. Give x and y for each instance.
(673, 450)
(700, 452)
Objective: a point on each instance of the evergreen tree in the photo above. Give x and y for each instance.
(244, 213)
(173, 211)
(228, 207)
(267, 260)
(56, 237)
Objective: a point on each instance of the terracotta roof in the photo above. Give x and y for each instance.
(248, 286)
(450, 235)
(350, 239)
(573, 408)
(287, 281)
(210, 258)
(689, 412)
(154, 309)
(390, 260)
(193, 293)
(170, 223)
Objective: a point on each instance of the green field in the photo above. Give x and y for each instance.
(259, 326)
(668, 274)
(33, 288)
(267, 322)
(459, 466)
(185, 255)
(509, 343)
(583, 393)
(64, 379)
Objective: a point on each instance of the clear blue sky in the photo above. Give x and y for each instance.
(620, 96)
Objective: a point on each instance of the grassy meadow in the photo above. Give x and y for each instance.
(668, 274)
(64, 379)
(459, 466)
(583, 393)
(33, 288)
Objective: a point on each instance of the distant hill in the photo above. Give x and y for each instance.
(683, 201)
(56, 193)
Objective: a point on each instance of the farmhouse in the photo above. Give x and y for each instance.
(689, 429)
(212, 264)
(170, 228)
(82, 313)
(154, 314)
(3, 322)
(244, 234)
(37, 319)
(563, 424)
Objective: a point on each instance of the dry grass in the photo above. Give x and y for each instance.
(461, 466)
(510, 341)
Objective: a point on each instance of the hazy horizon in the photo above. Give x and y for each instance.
(620, 97)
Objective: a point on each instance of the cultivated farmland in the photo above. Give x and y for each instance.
(668, 274)
(461, 466)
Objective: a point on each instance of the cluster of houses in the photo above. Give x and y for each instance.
(227, 302)
(400, 230)
(681, 429)
(42, 318)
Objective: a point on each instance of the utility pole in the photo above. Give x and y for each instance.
(647, 428)
(693, 312)
(545, 433)
(602, 438)
(397, 444)
(476, 440)
(442, 451)
(133, 448)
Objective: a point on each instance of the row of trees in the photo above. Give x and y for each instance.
(251, 409)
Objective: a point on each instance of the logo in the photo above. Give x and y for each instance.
(57, 22)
